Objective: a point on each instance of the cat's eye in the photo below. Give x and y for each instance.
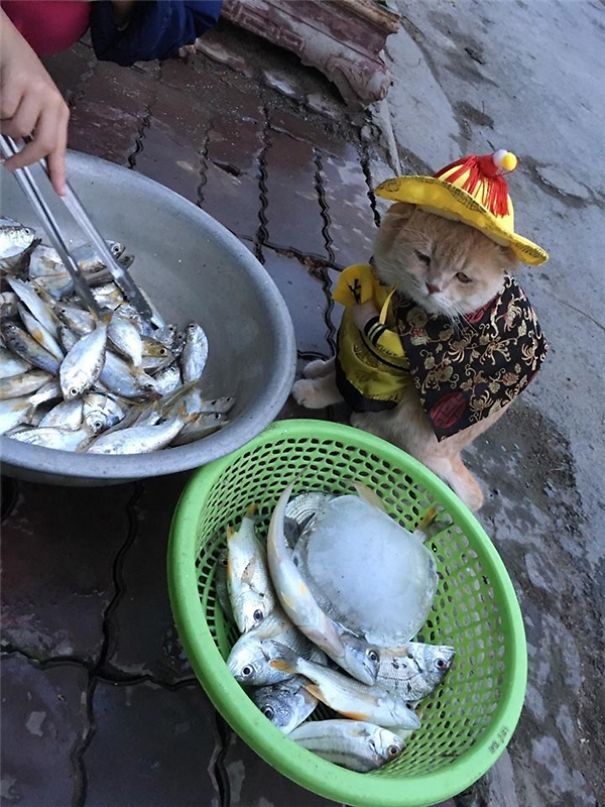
(463, 278)
(422, 257)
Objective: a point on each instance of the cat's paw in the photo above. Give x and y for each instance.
(315, 369)
(306, 393)
(468, 488)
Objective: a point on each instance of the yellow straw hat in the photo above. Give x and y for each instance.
(471, 190)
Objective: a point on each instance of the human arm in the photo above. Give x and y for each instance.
(31, 103)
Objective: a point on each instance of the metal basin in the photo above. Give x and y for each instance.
(193, 269)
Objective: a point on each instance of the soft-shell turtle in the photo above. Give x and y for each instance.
(367, 572)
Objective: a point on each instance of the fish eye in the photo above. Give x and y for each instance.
(258, 615)
(373, 655)
(463, 278)
(268, 712)
(423, 257)
(247, 671)
(73, 392)
(441, 664)
(392, 751)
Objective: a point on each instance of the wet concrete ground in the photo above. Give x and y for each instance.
(99, 704)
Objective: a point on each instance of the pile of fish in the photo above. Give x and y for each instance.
(327, 610)
(106, 384)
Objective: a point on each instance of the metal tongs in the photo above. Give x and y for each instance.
(120, 275)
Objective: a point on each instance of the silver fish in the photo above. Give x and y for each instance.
(353, 744)
(101, 412)
(60, 285)
(200, 426)
(168, 379)
(65, 415)
(125, 337)
(21, 343)
(77, 320)
(128, 311)
(127, 382)
(250, 658)
(16, 386)
(16, 242)
(195, 353)
(38, 332)
(250, 588)
(12, 365)
(13, 411)
(137, 439)
(221, 586)
(19, 410)
(167, 335)
(108, 296)
(152, 348)
(67, 338)
(61, 439)
(87, 259)
(286, 704)
(347, 696)
(28, 296)
(84, 362)
(46, 261)
(415, 669)
(302, 511)
(352, 653)
(154, 365)
(8, 304)
(221, 406)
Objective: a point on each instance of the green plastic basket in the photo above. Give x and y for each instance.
(468, 720)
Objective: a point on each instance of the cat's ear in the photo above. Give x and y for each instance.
(400, 211)
(393, 221)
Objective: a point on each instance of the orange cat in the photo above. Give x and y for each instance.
(447, 278)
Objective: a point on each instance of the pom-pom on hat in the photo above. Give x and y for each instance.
(474, 191)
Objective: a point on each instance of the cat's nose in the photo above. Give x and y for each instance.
(432, 289)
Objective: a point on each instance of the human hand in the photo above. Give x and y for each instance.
(31, 104)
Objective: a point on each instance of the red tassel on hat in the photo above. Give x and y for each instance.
(485, 172)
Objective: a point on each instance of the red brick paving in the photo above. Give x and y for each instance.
(293, 212)
(57, 577)
(84, 569)
(44, 721)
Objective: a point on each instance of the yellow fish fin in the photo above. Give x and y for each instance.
(427, 518)
(315, 690)
(355, 715)
(369, 496)
(281, 664)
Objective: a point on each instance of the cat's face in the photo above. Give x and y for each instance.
(444, 266)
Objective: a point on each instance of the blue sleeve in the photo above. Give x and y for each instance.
(156, 30)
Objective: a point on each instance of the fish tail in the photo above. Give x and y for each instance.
(427, 518)
(251, 510)
(230, 532)
(369, 496)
